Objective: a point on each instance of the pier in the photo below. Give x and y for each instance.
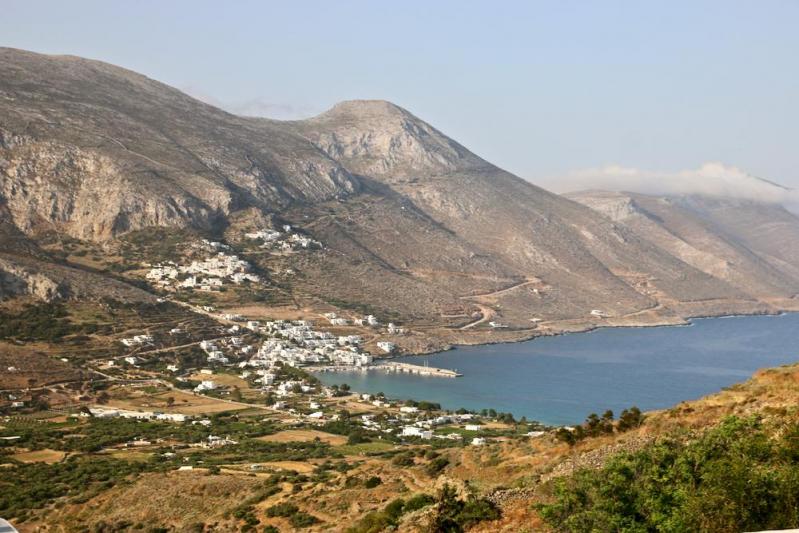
(390, 367)
(407, 368)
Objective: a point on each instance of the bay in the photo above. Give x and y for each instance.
(561, 379)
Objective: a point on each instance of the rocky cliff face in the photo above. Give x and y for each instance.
(94, 150)
(16, 280)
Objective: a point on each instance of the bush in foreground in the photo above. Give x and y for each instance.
(738, 476)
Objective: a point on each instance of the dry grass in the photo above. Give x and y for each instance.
(185, 403)
(40, 456)
(33, 366)
(265, 312)
(179, 499)
(226, 380)
(297, 466)
(305, 435)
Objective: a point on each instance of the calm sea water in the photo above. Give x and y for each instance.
(560, 380)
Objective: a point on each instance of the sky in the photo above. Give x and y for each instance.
(547, 90)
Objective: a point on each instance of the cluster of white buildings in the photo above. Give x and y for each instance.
(137, 340)
(215, 355)
(367, 321)
(296, 343)
(102, 412)
(214, 441)
(287, 240)
(423, 428)
(207, 274)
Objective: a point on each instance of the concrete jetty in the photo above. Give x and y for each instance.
(390, 367)
(407, 368)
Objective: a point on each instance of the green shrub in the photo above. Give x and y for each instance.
(403, 459)
(736, 477)
(301, 519)
(418, 502)
(436, 466)
(282, 509)
(373, 482)
(454, 515)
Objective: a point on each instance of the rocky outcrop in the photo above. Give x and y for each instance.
(374, 137)
(26, 276)
(95, 151)
(16, 280)
(88, 195)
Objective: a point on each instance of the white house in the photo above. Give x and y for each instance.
(413, 431)
(205, 385)
(387, 347)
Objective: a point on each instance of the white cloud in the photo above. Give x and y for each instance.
(711, 179)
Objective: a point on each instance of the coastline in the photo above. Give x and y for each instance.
(686, 367)
(534, 333)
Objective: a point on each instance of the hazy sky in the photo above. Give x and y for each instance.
(540, 88)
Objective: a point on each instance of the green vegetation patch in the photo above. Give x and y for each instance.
(739, 476)
(41, 322)
(25, 487)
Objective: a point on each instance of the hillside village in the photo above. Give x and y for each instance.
(207, 274)
(287, 240)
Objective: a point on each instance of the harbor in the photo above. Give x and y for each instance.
(391, 367)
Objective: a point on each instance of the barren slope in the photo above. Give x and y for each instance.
(413, 224)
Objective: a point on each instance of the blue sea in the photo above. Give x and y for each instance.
(561, 379)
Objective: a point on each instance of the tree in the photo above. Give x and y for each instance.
(453, 515)
(373, 482)
(630, 419)
(357, 437)
(170, 401)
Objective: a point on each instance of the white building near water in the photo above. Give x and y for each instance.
(387, 347)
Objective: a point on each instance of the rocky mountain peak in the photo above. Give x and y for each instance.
(364, 109)
(376, 137)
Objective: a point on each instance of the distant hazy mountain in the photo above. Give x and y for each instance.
(713, 180)
(412, 222)
(752, 245)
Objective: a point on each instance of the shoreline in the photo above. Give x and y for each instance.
(410, 394)
(686, 322)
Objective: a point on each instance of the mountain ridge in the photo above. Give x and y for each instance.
(427, 228)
